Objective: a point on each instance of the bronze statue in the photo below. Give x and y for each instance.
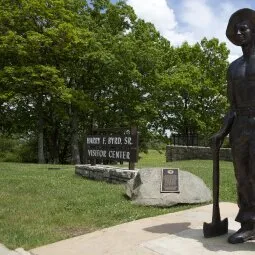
(240, 121)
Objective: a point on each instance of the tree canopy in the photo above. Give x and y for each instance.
(67, 66)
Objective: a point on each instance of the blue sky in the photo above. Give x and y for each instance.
(191, 20)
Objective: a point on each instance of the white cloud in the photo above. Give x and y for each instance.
(205, 21)
(194, 20)
(163, 17)
(156, 12)
(196, 13)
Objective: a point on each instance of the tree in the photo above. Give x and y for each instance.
(67, 66)
(194, 94)
(33, 35)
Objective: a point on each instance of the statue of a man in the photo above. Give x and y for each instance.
(240, 121)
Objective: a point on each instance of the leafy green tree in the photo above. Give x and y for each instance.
(194, 94)
(30, 63)
(67, 66)
(132, 74)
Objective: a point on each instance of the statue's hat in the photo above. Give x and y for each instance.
(237, 17)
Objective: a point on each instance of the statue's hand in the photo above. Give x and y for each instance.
(217, 141)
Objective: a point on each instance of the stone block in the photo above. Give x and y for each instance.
(176, 152)
(105, 173)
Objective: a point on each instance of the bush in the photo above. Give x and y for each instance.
(157, 143)
(27, 151)
(7, 149)
(13, 149)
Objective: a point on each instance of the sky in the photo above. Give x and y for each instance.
(191, 20)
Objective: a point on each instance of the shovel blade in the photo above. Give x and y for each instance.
(215, 228)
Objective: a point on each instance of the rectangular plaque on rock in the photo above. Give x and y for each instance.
(170, 180)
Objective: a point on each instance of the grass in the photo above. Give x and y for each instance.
(39, 205)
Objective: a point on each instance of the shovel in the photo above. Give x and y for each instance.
(217, 227)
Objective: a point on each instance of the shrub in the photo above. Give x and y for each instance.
(15, 149)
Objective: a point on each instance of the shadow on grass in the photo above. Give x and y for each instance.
(126, 197)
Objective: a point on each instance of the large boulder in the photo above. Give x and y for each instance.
(145, 189)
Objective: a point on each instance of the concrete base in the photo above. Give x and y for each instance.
(192, 242)
(175, 233)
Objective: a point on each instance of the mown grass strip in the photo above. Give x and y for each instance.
(41, 205)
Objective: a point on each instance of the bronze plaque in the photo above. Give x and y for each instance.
(170, 180)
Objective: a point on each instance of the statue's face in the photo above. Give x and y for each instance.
(244, 33)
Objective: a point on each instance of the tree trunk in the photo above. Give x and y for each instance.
(55, 143)
(75, 138)
(83, 156)
(63, 155)
(41, 159)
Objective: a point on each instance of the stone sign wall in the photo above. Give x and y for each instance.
(174, 153)
(105, 173)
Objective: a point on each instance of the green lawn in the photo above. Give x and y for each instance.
(39, 205)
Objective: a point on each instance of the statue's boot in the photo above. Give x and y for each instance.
(245, 233)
